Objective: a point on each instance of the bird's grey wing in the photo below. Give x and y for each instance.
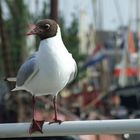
(27, 70)
(32, 56)
(74, 73)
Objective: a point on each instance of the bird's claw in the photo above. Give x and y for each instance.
(56, 121)
(36, 126)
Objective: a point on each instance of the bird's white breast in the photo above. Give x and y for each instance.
(55, 64)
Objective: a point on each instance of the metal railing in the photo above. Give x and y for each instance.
(131, 126)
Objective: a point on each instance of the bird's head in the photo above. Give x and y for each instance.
(45, 28)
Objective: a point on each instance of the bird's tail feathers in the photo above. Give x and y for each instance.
(11, 79)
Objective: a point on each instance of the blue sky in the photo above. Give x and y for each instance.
(110, 14)
(111, 20)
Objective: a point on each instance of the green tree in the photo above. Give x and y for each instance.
(70, 37)
(16, 27)
(71, 41)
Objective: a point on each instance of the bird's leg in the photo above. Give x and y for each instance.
(55, 120)
(35, 125)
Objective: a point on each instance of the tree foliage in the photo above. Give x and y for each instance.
(70, 37)
(16, 26)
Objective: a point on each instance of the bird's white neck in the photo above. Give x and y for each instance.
(53, 43)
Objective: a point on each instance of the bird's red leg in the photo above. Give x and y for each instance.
(36, 126)
(55, 120)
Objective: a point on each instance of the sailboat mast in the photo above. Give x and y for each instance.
(138, 34)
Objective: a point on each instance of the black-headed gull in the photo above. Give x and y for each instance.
(49, 69)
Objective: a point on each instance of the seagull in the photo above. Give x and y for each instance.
(48, 70)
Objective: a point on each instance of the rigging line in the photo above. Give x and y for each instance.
(118, 10)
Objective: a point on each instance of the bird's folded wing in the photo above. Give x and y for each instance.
(28, 70)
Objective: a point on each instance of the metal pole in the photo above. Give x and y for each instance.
(131, 126)
(54, 10)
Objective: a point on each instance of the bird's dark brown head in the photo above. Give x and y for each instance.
(45, 28)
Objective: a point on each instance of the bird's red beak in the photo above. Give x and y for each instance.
(32, 30)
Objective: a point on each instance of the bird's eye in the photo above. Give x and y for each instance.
(47, 26)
